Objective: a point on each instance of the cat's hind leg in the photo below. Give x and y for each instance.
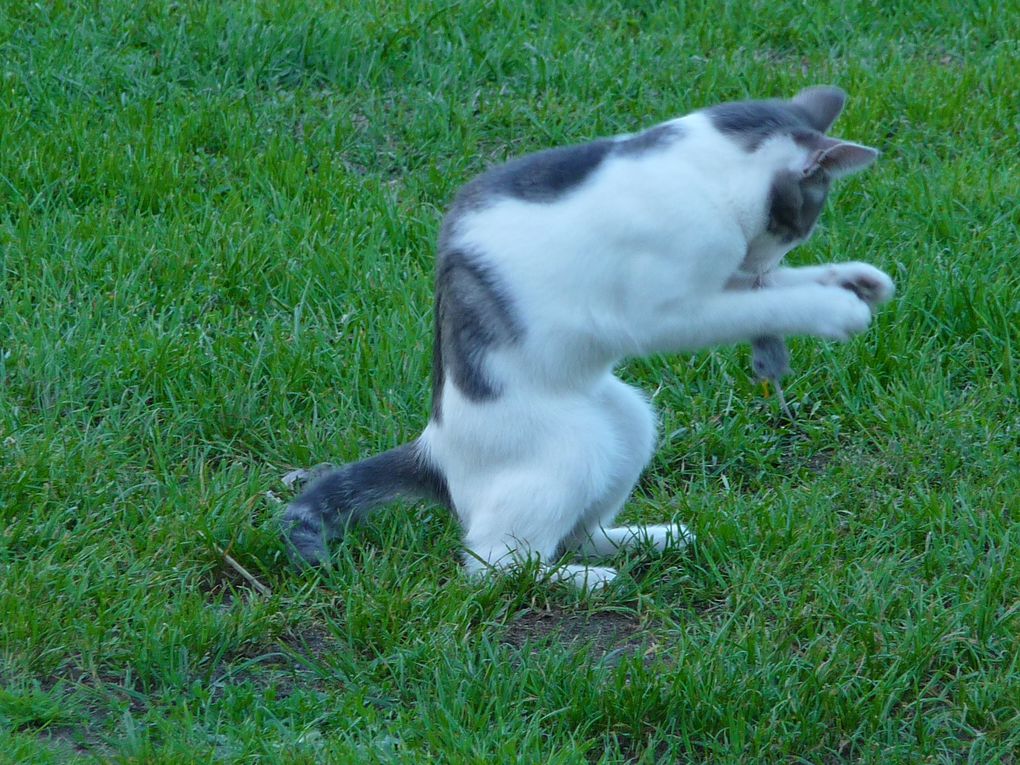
(522, 516)
(633, 422)
(598, 541)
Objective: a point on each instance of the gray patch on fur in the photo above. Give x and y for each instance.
(753, 122)
(794, 204)
(345, 495)
(473, 315)
(805, 118)
(543, 177)
(546, 176)
(658, 137)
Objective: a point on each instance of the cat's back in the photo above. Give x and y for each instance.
(664, 176)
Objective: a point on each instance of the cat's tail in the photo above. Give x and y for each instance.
(345, 495)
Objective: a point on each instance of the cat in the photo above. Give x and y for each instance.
(555, 267)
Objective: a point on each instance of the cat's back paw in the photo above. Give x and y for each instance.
(669, 536)
(588, 578)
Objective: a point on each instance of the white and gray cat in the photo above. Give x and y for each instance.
(555, 267)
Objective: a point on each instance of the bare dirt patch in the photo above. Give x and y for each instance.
(73, 741)
(295, 661)
(603, 633)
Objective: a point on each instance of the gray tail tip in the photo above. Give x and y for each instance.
(303, 539)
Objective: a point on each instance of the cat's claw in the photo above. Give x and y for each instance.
(868, 283)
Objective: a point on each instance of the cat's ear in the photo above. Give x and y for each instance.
(846, 158)
(821, 104)
(838, 158)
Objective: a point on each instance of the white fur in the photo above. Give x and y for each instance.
(644, 257)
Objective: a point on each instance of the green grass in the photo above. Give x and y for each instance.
(216, 240)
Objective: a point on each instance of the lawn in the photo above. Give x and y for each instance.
(217, 228)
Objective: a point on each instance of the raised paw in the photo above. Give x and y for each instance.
(840, 314)
(868, 283)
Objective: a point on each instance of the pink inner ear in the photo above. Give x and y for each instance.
(823, 144)
(843, 158)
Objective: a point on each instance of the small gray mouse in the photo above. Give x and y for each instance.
(770, 359)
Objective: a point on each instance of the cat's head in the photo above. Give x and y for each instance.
(791, 133)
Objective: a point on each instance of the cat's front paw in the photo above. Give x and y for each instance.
(840, 314)
(868, 283)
